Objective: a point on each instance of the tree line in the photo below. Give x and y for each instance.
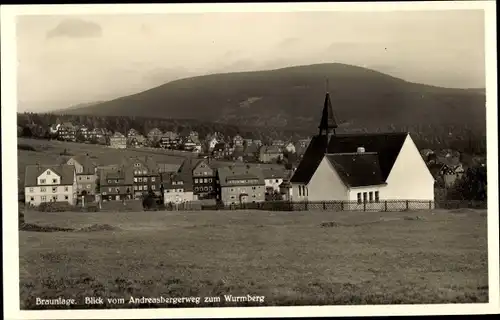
(463, 138)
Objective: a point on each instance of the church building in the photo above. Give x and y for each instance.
(361, 169)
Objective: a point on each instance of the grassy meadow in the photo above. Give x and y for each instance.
(290, 258)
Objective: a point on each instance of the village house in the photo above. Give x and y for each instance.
(269, 154)
(211, 143)
(366, 169)
(154, 136)
(67, 132)
(240, 184)
(451, 170)
(278, 143)
(132, 133)
(170, 140)
(178, 187)
(136, 141)
(145, 176)
(257, 142)
(204, 180)
(272, 179)
(290, 147)
(247, 142)
(251, 152)
(222, 150)
(118, 141)
(190, 144)
(86, 174)
(166, 167)
(97, 134)
(116, 183)
(83, 132)
(50, 183)
(237, 141)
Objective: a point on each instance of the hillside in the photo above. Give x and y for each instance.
(292, 98)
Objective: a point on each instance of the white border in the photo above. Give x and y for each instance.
(9, 161)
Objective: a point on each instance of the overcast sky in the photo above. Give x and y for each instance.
(66, 60)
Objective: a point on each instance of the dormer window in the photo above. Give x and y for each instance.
(48, 172)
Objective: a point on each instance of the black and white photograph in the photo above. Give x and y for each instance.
(180, 160)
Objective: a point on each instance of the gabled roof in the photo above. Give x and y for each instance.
(270, 149)
(273, 174)
(66, 172)
(357, 169)
(239, 172)
(123, 173)
(386, 145)
(118, 134)
(184, 174)
(87, 163)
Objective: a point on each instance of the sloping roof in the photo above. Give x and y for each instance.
(184, 174)
(121, 172)
(87, 163)
(168, 167)
(239, 172)
(273, 174)
(66, 172)
(386, 145)
(357, 169)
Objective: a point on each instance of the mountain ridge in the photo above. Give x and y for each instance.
(292, 97)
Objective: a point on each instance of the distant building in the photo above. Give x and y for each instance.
(204, 180)
(363, 168)
(67, 132)
(132, 133)
(50, 183)
(136, 141)
(290, 147)
(222, 150)
(96, 134)
(146, 176)
(86, 174)
(83, 132)
(257, 142)
(170, 140)
(211, 143)
(116, 183)
(240, 184)
(272, 179)
(251, 152)
(164, 167)
(269, 154)
(178, 187)
(278, 143)
(247, 142)
(237, 141)
(118, 141)
(154, 135)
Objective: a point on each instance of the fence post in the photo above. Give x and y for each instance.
(341, 205)
(430, 205)
(306, 205)
(385, 205)
(324, 205)
(407, 205)
(364, 205)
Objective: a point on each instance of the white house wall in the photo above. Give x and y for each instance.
(325, 185)
(409, 178)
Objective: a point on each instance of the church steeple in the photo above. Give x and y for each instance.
(328, 124)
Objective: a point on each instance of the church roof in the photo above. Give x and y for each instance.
(385, 145)
(327, 117)
(357, 169)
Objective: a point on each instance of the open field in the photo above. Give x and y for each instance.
(289, 258)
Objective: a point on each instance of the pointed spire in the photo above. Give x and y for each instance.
(328, 121)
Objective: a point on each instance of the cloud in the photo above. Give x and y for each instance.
(75, 28)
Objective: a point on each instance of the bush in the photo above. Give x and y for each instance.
(55, 207)
(21, 146)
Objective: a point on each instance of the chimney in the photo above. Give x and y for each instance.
(361, 149)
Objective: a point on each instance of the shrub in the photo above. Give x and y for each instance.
(21, 146)
(55, 207)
